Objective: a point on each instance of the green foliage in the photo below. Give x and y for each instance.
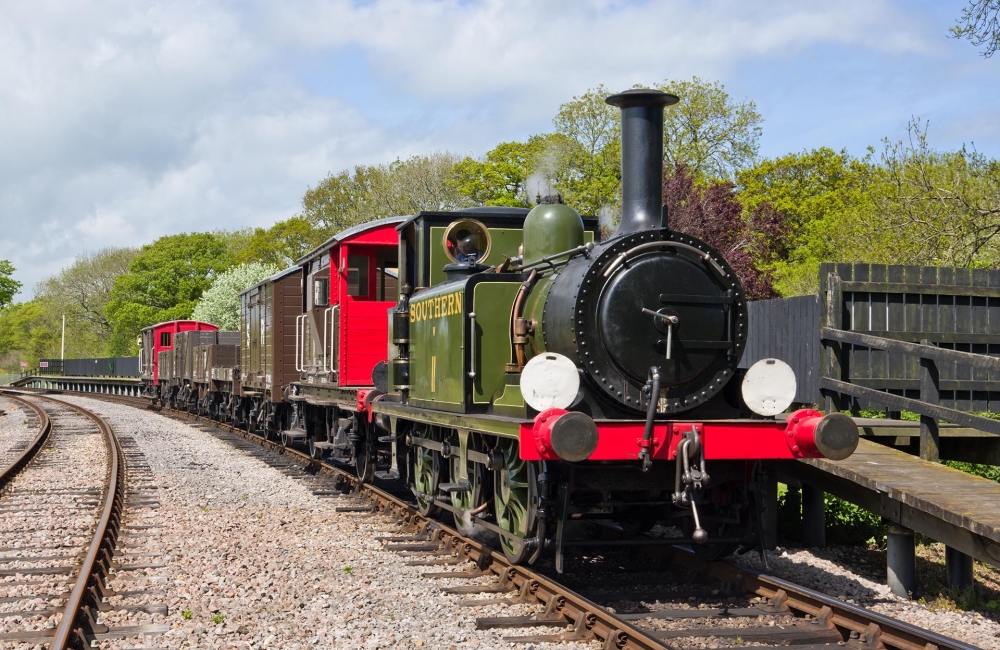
(846, 523)
(187, 614)
(992, 472)
(817, 191)
(712, 135)
(8, 285)
(29, 331)
(164, 282)
(81, 291)
(372, 192)
(979, 23)
(593, 182)
(348, 569)
(931, 207)
(281, 244)
(513, 173)
(220, 304)
(218, 619)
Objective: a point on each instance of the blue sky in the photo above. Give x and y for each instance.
(122, 121)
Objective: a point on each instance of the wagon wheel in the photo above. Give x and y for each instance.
(316, 453)
(426, 478)
(475, 496)
(515, 498)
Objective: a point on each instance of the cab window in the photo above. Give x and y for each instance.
(164, 339)
(357, 276)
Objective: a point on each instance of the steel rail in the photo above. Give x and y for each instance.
(70, 631)
(44, 428)
(866, 628)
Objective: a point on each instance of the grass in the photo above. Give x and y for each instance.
(187, 614)
(348, 569)
(218, 618)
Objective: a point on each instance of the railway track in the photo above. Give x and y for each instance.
(645, 606)
(62, 505)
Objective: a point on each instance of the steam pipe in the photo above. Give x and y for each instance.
(642, 157)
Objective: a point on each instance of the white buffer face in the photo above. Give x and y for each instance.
(550, 380)
(769, 387)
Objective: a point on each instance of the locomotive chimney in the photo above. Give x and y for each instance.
(642, 157)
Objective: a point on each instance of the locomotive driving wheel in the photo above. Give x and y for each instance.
(426, 476)
(471, 502)
(515, 498)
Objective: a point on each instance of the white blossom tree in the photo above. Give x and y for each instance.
(220, 304)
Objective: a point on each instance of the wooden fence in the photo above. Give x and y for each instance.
(922, 339)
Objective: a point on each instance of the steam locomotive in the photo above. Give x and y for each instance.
(536, 382)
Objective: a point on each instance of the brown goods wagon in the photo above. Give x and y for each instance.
(184, 345)
(269, 312)
(164, 366)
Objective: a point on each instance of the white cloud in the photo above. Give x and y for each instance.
(121, 121)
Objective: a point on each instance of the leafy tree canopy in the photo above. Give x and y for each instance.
(29, 331)
(281, 244)
(751, 243)
(220, 304)
(371, 192)
(708, 132)
(515, 173)
(817, 191)
(164, 282)
(83, 289)
(8, 285)
(980, 24)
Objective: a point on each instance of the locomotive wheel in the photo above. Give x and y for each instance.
(515, 498)
(426, 478)
(472, 498)
(364, 462)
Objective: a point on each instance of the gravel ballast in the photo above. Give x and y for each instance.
(253, 559)
(836, 578)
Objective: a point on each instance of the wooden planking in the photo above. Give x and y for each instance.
(787, 329)
(956, 497)
(956, 309)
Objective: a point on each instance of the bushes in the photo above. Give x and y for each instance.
(846, 523)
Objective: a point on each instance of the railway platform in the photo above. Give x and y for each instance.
(130, 386)
(916, 496)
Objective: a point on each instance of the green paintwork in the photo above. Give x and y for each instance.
(534, 307)
(493, 303)
(511, 402)
(550, 229)
(437, 344)
(506, 427)
(503, 241)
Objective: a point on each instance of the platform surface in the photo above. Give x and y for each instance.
(953, 496)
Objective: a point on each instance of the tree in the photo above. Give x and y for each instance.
(164, 282)
(751, 243)
(593, 181)
(928, 206)
(371, 192)
(817, 191)
(220, 304)
(980, 24)
(83, 289)
(514, 173)
(281, 244)
(28, 332)
(8, 285)
(707, 132)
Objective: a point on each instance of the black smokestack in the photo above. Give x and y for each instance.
(642, 157)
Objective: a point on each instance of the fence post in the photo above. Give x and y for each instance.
(930, 393)
(833, 368)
